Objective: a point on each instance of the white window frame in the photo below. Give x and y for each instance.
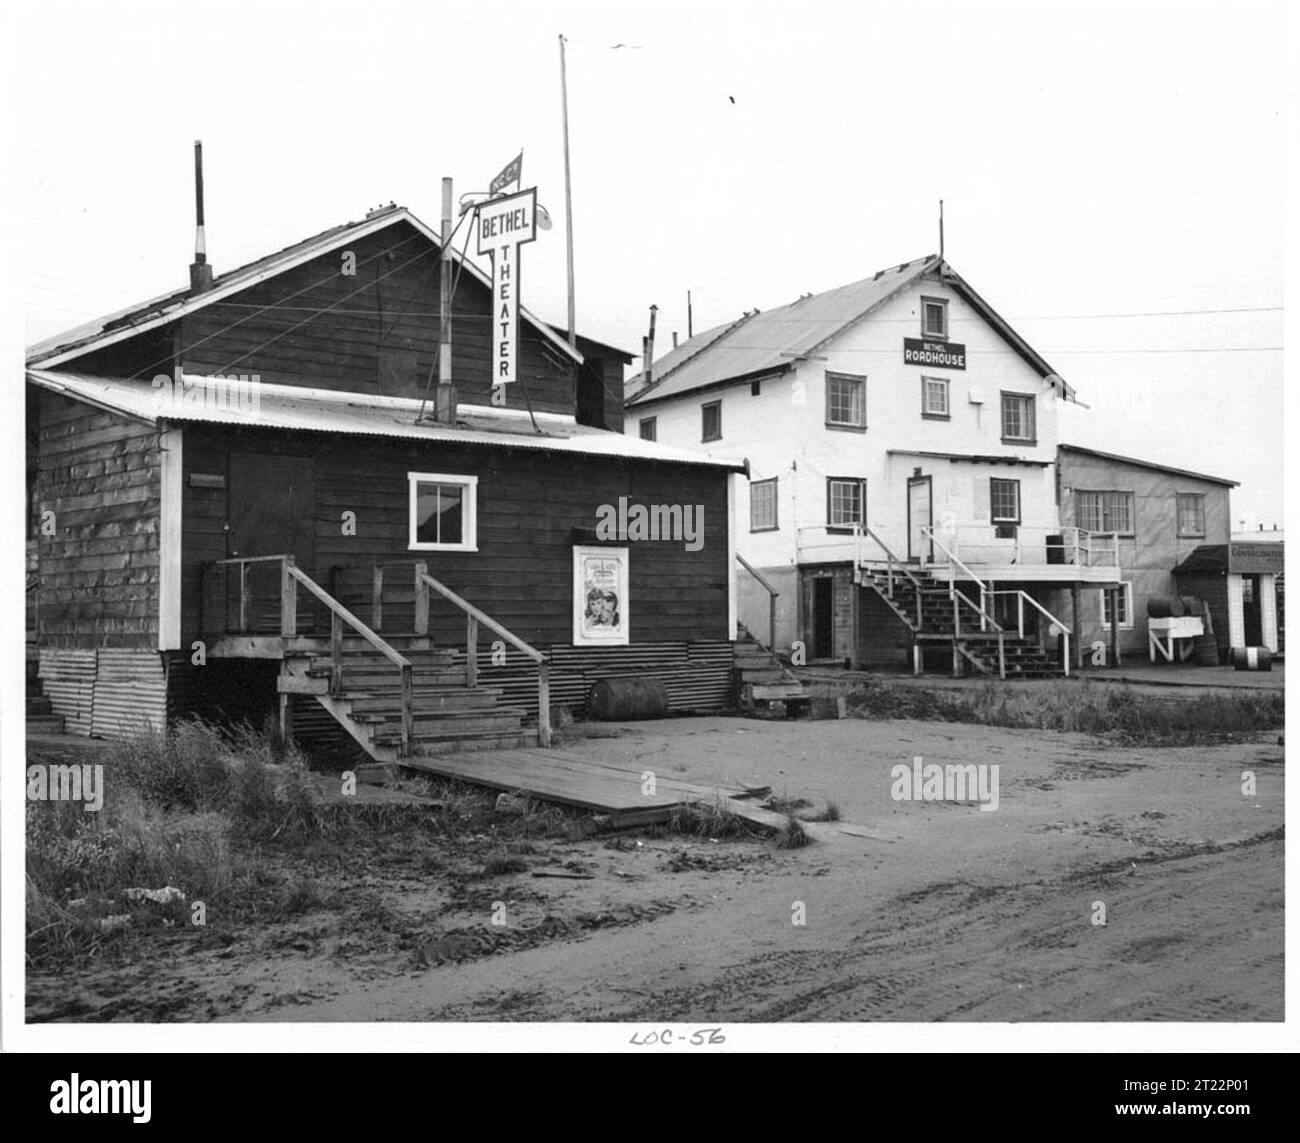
(1127, 625)
(861, 484)
(946, 388)
(469, 511)
(775, 525)
(993, 516)
(859, 381)
(926, 334)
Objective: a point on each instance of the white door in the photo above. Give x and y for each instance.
(919, 515)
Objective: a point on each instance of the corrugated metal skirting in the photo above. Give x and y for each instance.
(108, 693)
(697, 675)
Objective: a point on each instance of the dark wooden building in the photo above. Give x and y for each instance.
(259, 495)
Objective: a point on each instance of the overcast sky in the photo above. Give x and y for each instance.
(1097, 161)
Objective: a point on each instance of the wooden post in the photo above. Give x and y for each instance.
(286, 717)
(421, 599)
(471, 651)
(408, 710)
(377, 599)
(544, 704)
(1078, 642)
(336, 653)
(243, 596)
(771, 622)
(288, 599)
(1002, 655)
(1065, 657)
(1114, 626)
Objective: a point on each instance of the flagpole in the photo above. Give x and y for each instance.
(568, 193)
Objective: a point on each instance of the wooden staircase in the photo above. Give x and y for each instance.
(41, 718)
(762, 679)
(447, 712)
(934, 615)
(398, 695)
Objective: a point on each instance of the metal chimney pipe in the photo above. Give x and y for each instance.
(200, 271)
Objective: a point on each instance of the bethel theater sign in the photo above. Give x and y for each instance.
(505, 224)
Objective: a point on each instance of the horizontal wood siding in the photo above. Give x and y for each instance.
(529, 505)
(381, 334)
(99, 474)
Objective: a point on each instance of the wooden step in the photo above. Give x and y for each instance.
(440, 741)
(460, 721)
(421, 702)
(45, 724)
(38, 705)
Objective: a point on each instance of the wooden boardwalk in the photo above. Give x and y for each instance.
(555, 776)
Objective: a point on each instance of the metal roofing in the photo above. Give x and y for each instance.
(766, 342)
(167, 307)
(1148, 464)
(759, 343)
(215, 400)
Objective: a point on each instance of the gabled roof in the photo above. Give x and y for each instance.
(1148, 464)
(771, 342)
(159, 311)
(296, 408)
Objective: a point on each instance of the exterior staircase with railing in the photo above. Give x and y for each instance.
(397, 694)
(935, 610)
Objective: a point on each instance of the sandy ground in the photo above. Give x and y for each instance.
(953, 913)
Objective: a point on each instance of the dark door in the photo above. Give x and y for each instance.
(271, 512)
(1251, 616)
(823, 618)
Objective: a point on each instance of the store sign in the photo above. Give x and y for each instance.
(1256, 559)
(504, 225)
(935, 354)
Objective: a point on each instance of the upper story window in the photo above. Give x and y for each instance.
(934, 398)
(846, 401)
(1104, 512)
(934, 318)
(649, 427)
(762, 505)
(1191, 514)
(711, 421)
(443, 512)
(846, 498)
(1018, 425)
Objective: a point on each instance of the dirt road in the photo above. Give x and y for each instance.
(961, 914)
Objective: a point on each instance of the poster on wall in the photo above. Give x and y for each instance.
(600, 604)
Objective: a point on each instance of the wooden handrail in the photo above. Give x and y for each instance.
(485, 619)
(772, 595)
(473, 619)
(390, 653)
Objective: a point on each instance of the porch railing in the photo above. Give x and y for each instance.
(976, 543)
(291, 577)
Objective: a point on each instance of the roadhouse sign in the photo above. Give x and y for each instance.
(505, 224)
(937, 354)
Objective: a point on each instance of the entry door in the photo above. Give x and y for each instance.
(823, 617)
(272, 511)
(920, 514)
(1251, 612)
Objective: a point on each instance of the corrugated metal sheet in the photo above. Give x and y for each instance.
(130, 693)
(771, 340)
(68, 678)
(336, 411)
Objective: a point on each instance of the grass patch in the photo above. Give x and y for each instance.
(830, 812)
(707, 819)
(792, 835)
(1111, 712)
(500, 864)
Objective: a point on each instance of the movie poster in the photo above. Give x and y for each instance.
(600, 616)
